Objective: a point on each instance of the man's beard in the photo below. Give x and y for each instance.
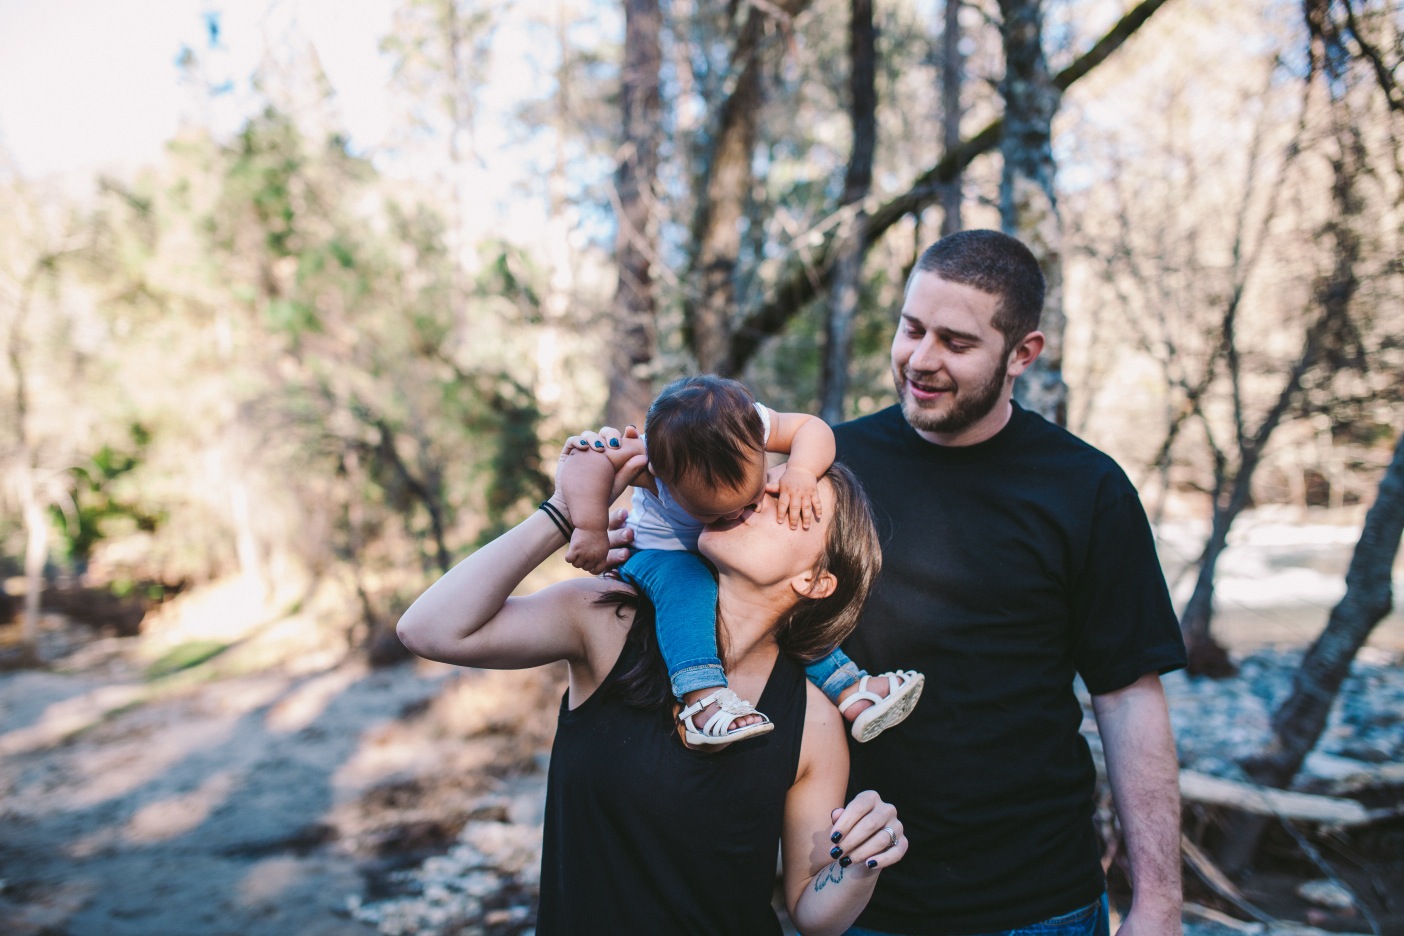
(970, 404)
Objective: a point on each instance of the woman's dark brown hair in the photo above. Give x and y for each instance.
(852, 553)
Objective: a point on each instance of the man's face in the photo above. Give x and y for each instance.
(949, 362)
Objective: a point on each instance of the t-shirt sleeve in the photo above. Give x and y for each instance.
(765, 423)
(1124, 625)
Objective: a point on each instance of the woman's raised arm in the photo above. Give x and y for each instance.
(468, 618)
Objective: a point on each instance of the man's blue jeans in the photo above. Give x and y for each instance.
(684, 595)
(1091, 920)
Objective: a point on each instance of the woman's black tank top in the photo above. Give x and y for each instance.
(644, 836)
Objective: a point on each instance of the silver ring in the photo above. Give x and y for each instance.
(890, 834)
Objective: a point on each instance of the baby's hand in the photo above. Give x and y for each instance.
(589, 550)
(799, 497)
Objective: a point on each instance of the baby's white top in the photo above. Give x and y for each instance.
(657, 520)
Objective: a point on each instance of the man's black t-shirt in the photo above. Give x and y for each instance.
(1008, 566)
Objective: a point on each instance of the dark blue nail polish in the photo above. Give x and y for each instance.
(835, 852)
(599, 444)
(872, 862)
(845, 861)
(614, 443)
(836, 836)
(584, 444)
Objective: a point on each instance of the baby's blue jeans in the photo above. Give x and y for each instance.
(684, 594)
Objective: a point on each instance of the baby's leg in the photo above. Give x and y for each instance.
(835, 675)
(684, 594)
(886, 699)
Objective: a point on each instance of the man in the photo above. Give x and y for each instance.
(1014, 556)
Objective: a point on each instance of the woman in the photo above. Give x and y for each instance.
(644, 835)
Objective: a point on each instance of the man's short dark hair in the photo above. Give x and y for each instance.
(994, 263)
(705, 427)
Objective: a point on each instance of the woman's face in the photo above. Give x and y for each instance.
(758, 548)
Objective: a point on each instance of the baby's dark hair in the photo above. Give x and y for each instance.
(704, 427)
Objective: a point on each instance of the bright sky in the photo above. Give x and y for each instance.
(86, 84)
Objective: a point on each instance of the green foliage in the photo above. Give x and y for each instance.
(516, 473)
(184, 656)
(99, 506)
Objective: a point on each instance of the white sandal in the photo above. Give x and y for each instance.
(903, 690)
(730, 707)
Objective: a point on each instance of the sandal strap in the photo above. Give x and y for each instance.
(687, 713)
(730, 707)
(895, 681)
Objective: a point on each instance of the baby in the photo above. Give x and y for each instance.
(706, 440)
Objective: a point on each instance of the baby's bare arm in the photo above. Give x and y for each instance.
(807, 439)
(810, 444)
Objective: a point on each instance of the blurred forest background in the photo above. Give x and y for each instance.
(324, 368)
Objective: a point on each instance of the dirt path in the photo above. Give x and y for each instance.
(254, 804)
(239, 798)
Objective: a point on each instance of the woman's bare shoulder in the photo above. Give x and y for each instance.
(587, 596)
(602, 623)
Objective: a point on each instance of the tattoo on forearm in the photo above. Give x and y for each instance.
(833, 874)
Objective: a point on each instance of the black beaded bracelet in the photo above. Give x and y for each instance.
(557, 518)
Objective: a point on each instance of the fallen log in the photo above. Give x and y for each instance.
(1331, 811)
(1219, 882)
(1275, 928)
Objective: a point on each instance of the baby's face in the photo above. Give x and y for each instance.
(710, 504)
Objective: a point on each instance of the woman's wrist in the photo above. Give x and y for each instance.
(555, 508)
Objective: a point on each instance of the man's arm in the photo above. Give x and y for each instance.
(1145, 780)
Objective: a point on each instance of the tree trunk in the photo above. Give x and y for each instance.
(36, 521)
(1299, 722)
(1206, 657)
(1028, 206)
(716, 231)
(952, 70)
(36, 553)
(1297, 725)
(847, 288)
(636, 237)
(1326, 337)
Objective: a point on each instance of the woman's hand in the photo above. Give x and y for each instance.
(868, 833)
(624, 452)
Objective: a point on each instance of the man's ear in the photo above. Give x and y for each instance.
(811, 586)
(1023, 354)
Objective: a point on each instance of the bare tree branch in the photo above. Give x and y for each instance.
(814, 273)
